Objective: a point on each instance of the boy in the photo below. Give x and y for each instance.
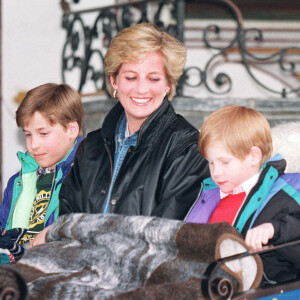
(248, 189)
(51, 117)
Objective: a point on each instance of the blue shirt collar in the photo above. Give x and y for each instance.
(121, 130)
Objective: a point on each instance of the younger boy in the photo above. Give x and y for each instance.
(51, 117)
(248, 189)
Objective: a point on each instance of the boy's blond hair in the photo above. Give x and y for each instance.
(239, 128)
(133, 43)
(58, 103)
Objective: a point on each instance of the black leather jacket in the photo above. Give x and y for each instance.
(161, 176)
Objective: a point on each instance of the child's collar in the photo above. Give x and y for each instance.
(246, 186)
(41, 171)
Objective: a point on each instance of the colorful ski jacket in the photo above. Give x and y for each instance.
(274, 199)
(22, 184)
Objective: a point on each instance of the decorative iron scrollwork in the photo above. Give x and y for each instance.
(86, 44)
(223, 288)
(279, 57)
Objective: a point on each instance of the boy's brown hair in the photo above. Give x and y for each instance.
(58, 103)
(239, 128)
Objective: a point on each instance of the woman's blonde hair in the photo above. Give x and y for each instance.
(133, 43)
(239, 128)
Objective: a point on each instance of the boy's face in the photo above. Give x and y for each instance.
(45, 143)
(226, 170)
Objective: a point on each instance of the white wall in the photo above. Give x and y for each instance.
(32, 42)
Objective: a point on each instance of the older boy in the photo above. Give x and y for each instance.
(51, 117)
(248, 190)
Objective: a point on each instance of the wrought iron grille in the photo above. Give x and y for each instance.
(89, 33)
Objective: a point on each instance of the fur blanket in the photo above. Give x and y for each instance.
(133, 257)
(286, 141)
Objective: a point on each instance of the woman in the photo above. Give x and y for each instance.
(144, 160)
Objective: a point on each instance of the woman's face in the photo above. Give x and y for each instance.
(141, 88)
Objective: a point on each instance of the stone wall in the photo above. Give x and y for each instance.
(277, 111)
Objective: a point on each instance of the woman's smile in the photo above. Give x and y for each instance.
(140, 101)
(141, 88)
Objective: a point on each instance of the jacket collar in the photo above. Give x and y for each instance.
(28, 163)
(277, 162)
(71, 155)
(151, 128)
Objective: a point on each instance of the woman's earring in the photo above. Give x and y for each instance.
(115, 94)
(165, 94)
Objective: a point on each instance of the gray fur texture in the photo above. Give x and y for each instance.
(106, 256)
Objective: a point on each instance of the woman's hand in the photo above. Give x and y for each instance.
(259, 236)
(40, 238)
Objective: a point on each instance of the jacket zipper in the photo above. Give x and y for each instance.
(238, 212)
(12, 214)
(111, 174)
(52, 187)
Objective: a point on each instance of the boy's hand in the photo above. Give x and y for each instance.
(259, 236)
(40, 238)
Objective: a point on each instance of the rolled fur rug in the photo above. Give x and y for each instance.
(133, 257)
